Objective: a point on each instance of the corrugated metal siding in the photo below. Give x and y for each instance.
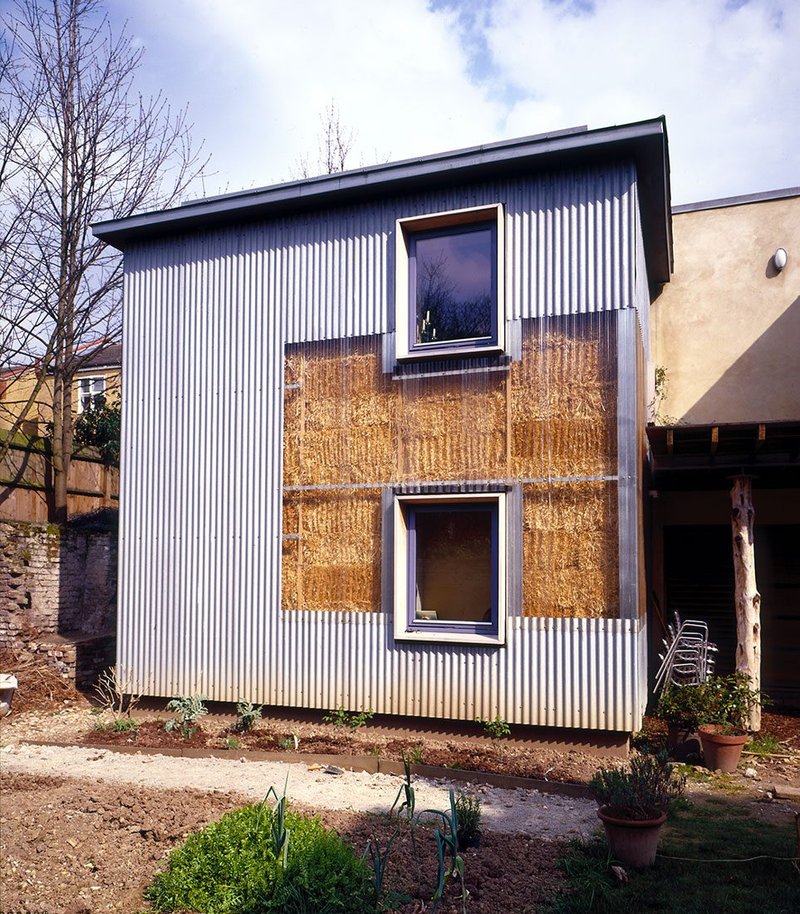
(553, 672)
(570, 249)
(200, 528)
(206, 318)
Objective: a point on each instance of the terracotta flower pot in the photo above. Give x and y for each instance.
(682, 741)
(721, 751)
(632, 841)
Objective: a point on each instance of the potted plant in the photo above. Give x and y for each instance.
(726, 705)
(633, 806)
(680, 708)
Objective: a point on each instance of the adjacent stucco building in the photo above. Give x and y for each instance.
(726, 335)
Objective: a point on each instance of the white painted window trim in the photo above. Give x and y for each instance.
(92, 379)
(405, 229)
(401, 632)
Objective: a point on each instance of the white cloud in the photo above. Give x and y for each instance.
(397, 73)
(414, 78)
(716, 71)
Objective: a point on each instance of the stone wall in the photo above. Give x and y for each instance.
(58, 594)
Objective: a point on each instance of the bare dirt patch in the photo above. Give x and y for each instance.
(75, 846)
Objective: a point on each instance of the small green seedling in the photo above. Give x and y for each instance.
(341, 717)
(468, 808)
(497, 728)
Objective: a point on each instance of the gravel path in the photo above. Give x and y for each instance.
(527, 811)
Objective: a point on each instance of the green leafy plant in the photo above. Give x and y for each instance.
(246, 864)
(247, 716)
(232, 743)
(468, 808)
(728, 700)
(341, 717)
(378, 860)
(447, 845)
(497, 728)
(118, 725)
(289, 743)
(681, 705)
(641, 791)
(188, 709)
(414, 755)
(98, 427)
(661, 393)
(406, 799)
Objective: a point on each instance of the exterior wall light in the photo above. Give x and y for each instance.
(779, 259)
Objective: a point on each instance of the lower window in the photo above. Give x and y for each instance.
(450, 568)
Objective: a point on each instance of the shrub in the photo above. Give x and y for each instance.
(681, 705)
(468, 811)
(341, 717)
(230, 867)
(188, 709)
(642, 791)
(728, 700)
(247, 716)
(497, 728)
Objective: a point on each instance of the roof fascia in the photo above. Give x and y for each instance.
(645, 142)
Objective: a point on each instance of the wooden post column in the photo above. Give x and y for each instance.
(747, 597)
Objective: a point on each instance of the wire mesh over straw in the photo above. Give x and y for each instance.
(547, 421)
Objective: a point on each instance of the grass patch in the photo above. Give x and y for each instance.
(765, 744)
(706, 832)
(118, 725)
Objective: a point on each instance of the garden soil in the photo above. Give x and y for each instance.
(84, 829)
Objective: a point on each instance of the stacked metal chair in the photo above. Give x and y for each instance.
(689, 655)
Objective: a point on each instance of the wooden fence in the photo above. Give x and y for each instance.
(26, 484)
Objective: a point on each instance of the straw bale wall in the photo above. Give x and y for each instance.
(550, 415)
(570, 550)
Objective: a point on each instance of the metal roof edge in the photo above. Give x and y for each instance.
(334, 187)
(740, 200)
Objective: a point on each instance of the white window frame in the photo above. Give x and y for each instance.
(402, 632)
(405, 230)
(92, 379)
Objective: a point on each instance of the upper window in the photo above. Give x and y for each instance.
(450, 568)
(91, 393)
(449, 283)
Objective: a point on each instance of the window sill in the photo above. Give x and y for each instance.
(432, 637)
(449, 352)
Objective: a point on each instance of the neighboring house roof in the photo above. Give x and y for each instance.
(106, 356)
(783, 193)
(644, 142)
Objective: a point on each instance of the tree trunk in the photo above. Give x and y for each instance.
(747, 597)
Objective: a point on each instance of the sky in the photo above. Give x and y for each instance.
(415, 77)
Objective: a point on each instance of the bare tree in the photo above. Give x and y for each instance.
(335, 143)
(90, 149)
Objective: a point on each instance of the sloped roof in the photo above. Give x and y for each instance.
(643, 142)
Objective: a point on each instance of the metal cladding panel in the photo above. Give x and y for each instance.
(199, 566)
(570, 242)
(552, 672)
(206, 319)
